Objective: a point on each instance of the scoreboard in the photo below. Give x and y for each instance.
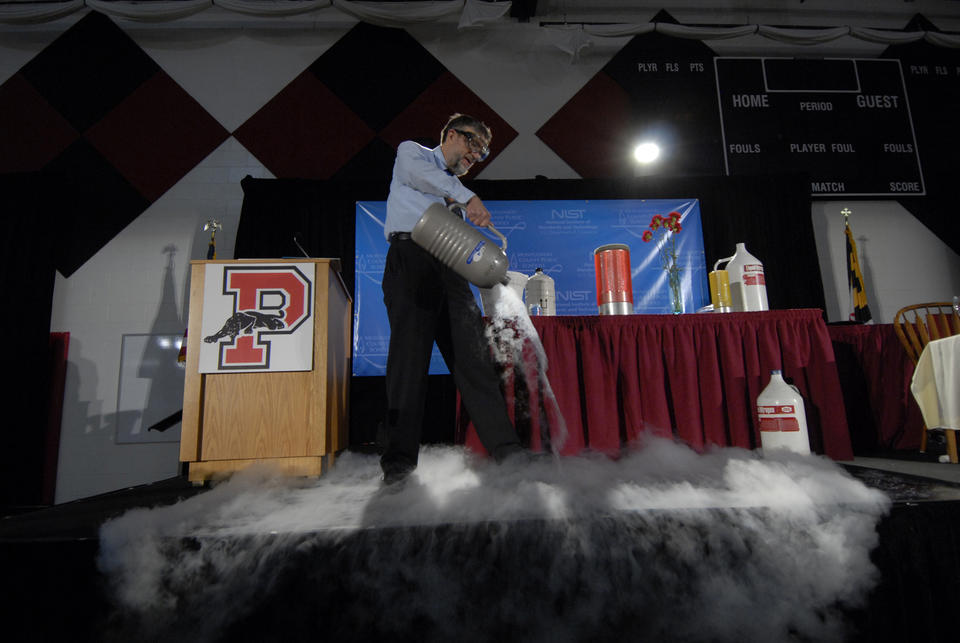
(845, 122)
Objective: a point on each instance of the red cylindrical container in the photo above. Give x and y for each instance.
(614, 285)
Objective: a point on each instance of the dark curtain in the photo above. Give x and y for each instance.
(302, 217)
(770, 214)
(31, 232)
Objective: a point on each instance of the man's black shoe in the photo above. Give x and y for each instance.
(522, 456)
(510, 452)
(395, 475)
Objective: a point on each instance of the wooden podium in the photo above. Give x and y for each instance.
(296, 420)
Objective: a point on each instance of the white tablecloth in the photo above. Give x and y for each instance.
(936, 383)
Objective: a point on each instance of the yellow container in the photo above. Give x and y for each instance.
(720, 291)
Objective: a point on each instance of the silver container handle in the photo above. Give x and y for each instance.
(463, 206)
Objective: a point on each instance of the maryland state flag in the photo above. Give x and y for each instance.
(861, 312)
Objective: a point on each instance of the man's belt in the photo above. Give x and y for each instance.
(399, 236)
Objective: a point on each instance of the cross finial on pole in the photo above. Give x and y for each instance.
(846, 212)
(213, 225)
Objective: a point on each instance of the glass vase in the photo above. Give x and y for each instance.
(676, 296)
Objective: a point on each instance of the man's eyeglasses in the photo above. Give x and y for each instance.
(481, 150)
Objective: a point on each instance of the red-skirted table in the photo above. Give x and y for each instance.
(875, 373)
(694, 376)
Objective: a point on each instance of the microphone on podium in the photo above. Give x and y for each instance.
(295, 241)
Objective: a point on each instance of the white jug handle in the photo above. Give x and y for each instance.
(503, 239)
(720, 261)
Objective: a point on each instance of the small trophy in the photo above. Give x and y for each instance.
(212, 225)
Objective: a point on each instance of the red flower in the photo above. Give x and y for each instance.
(670, 222)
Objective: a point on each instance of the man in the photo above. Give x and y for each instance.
(428, 302)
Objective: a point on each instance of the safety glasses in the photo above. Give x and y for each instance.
(473, 140)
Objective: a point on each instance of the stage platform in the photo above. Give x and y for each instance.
(515, 579)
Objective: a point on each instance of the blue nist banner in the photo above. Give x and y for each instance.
(557, 236)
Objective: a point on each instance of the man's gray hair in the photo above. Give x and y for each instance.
(460, 121)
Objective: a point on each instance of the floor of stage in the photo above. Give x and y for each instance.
(904, 476)
(51, 586)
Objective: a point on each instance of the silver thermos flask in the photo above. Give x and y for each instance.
(462, 247)
(541, 294)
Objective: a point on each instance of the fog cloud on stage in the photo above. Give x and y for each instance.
(662, 543)
(658, 544)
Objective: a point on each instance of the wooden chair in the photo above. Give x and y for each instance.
(916, 326)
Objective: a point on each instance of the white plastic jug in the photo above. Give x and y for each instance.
(782, 418)
(462, 247)
(748, 286)
(541, 294)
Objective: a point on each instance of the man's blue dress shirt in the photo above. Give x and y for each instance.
(420, 178)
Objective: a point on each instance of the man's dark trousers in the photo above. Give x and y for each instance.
(427, 301)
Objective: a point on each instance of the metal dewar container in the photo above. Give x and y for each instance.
(541, 297)
(461, 246)
(614, 283)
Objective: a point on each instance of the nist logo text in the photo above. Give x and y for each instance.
(573, 295)
(578, 213)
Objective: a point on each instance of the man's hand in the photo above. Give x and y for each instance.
(477, 212)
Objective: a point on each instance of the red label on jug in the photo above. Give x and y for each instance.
(769, 420)
(779, 424)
